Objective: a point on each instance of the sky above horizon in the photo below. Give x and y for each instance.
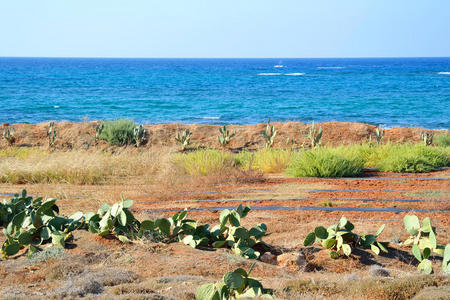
(232, 28)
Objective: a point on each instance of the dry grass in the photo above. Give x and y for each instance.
(78, 167)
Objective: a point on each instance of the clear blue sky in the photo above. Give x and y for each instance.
(227, 28)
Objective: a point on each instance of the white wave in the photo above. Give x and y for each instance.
(294, 74)
(444, 73)
(55, 106)
(210, 118)
(269, 74)
(331, 68)
(278, 66)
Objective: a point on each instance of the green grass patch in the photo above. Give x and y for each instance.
(118, 132)
(442, 139)
(204, 162)
(325, 163)
(412, 159)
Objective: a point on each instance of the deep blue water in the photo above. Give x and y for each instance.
(391, 92)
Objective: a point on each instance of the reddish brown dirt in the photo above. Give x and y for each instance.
(370, 186)
(81, 135)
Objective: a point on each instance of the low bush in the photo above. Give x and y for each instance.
(204, 162)
(118, 132)
(325, 163)
(412, 159)
(442, 139)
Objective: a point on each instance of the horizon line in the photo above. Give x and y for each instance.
(218, 57)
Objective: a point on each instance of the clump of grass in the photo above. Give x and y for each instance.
(267, 160)
(325, 163)
(118, 132)
(412, 159)
(204, 162)
(21, 153)
(442, 139)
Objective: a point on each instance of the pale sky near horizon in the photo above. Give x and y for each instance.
(232, 28)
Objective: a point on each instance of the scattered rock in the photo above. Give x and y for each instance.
(352, 277)
(379, 271)
(295, 261)
(80, 287)
(269, 258)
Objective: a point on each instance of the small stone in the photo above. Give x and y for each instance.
(295, 261)
(269, 258)
(379, 271)
(352, 277)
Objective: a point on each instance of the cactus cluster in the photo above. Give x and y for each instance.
(269, 135)
(314, 136)
(98, 130)
(423, 239)
(33, 222)
(427, 138)
(379, 134)
(225, 137)
(139, 135)
(8, 135)
(234, 285)
(184, 139)
(229, 233)
(340, 239)
(51, 134)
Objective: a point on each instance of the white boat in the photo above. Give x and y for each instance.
(278, 66)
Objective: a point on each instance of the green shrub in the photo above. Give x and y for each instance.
(442, 139)
(118, 132)
(413, 159)
(325, 163)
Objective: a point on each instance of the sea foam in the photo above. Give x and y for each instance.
(269, 74)
(331, 68)
(444, 73)
(294, 74)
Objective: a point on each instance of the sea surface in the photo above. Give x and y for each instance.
(385, 91)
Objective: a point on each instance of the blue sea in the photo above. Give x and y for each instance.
(385, 91)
